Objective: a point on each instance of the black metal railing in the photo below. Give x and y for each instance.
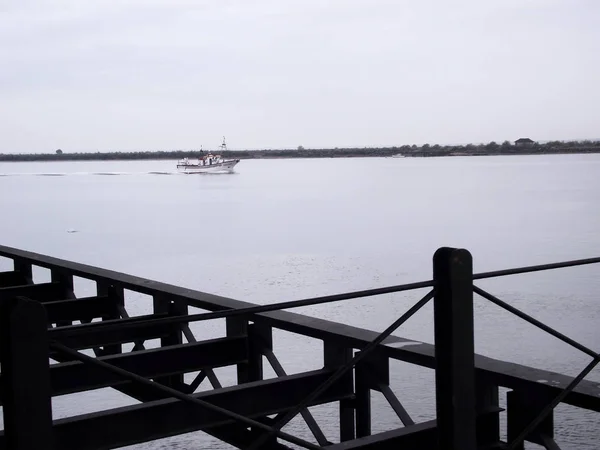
(467, 415)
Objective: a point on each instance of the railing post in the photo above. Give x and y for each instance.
(488, 412)
(116, 296)
(25, 386)
(363, 402)
(259, 337)
(371, 373)
(163, 304)
(522, 407)
(334, 356)
(66, 285)
(24, 268)
(238, 326)
(454, 349)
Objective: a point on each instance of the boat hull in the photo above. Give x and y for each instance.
(222, 167)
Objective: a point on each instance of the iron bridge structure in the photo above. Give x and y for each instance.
(44, 328)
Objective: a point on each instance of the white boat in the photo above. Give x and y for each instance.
(210, 163)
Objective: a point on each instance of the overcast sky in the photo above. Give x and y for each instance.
(86, 75)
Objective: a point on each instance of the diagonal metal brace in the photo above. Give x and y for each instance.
(396, 405)
(343, 369)
(305, 413)
(559, 398)
(549, 443)
(533, 321)
(208, 372)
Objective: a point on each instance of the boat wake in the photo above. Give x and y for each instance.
(64, 174)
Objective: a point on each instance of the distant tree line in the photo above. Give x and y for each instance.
(426, 150)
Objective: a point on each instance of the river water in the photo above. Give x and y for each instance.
(287, 229)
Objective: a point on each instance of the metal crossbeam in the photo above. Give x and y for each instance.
(414, 437)
(98, 337)
(85, 308)
(72, 377)
(41, 292)
(239, 436)
(12, 278)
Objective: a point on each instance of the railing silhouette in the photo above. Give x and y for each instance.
(467, 408)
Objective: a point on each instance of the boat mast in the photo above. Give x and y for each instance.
(223, 146)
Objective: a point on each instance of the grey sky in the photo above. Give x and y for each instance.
(148, 74)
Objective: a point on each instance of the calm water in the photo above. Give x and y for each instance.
(287, 229)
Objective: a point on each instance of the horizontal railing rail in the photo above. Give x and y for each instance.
(191, 297)
(536, 268)
(146, 286)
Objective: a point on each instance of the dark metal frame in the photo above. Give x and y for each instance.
(466, 384)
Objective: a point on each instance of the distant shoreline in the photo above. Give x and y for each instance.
(491, 149)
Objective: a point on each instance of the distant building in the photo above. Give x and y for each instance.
(523, 142)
